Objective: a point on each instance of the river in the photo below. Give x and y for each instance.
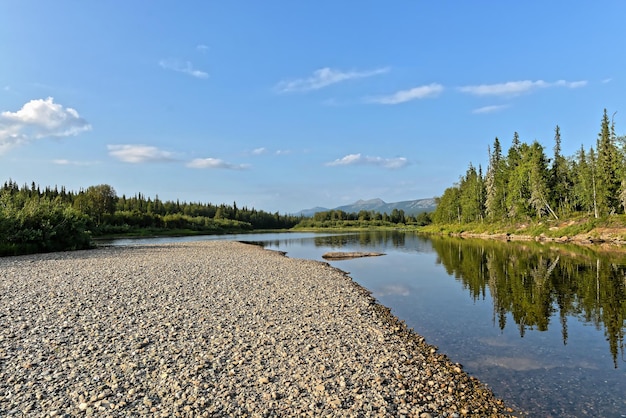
(542, 324)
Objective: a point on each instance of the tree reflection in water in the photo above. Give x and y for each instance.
(533, 281)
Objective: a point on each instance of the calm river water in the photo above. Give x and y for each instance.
(541, 324)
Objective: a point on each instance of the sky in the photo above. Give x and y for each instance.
(289, 105)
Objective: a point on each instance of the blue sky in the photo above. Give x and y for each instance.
(284, 105)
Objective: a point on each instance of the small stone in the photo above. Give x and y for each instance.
(335, 403)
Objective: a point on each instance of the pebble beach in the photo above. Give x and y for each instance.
(212, 329)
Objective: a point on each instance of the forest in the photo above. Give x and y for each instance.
(524, 184)
(34, 220)
(335, 218)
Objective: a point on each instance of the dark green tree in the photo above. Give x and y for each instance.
(537, 164)
(471, 191)
(495, 184)
(517, 194)
(560, 179)
(610, 168)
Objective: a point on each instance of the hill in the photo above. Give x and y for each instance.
(410, 207)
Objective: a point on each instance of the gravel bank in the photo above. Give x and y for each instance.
(212, 329)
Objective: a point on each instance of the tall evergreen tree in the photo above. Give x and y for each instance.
(495, 184)
(471, 196)
(585, 182)
(537, 166)
(560, 181)
(609, 169)
(517, 180)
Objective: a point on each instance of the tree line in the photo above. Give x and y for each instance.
(524, 184)
(53, 219)
(337, 218)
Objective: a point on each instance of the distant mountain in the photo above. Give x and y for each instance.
(410, 207)
(311, 212)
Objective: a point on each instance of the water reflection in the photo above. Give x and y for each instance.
(535, 282)
(374, 238)
(398, 240)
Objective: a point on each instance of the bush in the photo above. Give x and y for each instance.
(41, 225)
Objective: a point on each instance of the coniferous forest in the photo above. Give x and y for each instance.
(35, 220)
(524, 184)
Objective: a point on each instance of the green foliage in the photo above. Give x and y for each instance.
(495, 185)
(32, 220)
(364, 219)
(448, 208)
(609, 169)
(472, 196)
(561, 180)
(33, 223)
(526, 186)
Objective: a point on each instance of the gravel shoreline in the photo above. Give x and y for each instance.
(212, 329)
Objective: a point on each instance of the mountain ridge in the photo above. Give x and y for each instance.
(410, 207)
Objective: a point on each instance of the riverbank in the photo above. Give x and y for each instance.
(609, 237)
(212, 329)
(581, 230)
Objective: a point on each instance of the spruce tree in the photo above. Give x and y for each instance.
(537, 166)
(517, 180)
(471, 195)
(495, 184)
(560, 181)
(609, 169)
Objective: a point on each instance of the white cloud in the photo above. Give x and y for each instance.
(421, 92)
(570, 84)
(182, 67)
(283, 152)
(38, 119)
(69, 162)
(490, 109)
(129, 153)
(324, 77)
(514, 88)
(202, 48)
(358, 159)
(607, 80)
(215, 163)
(259, 151)
(347, 160)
